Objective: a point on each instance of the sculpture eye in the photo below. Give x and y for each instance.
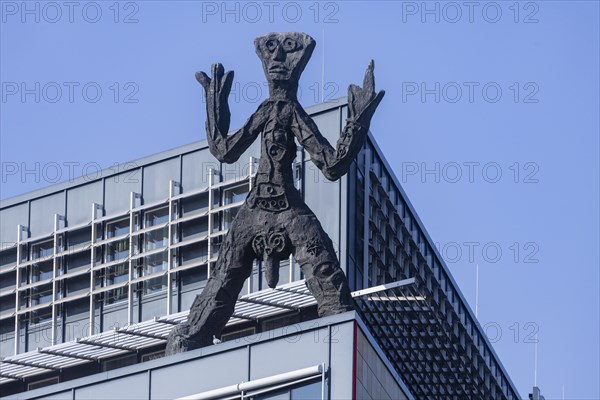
(271, 45)
(289, 45)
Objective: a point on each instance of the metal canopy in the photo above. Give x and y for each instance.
(135, 337)
(429, 346)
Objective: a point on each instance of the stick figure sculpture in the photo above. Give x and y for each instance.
(274, 221)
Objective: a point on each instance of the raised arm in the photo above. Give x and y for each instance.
(334, 163)
(227, 148)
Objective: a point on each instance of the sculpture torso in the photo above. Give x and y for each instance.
(273, 188)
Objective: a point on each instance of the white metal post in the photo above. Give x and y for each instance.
(174, 189)
(55, 250)
(211, 176)
(20, 231)
(95, 208)
(132, 205)
(250, 173)
(323, 376)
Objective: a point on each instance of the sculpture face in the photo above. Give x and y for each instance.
(284, 55)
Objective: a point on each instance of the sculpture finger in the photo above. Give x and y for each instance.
(217, 71)
(352, 95)
(203, 79)
(226, 83)
(369, 81)
(367, 114)
(373, 104)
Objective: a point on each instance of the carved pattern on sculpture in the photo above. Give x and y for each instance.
(274, 221)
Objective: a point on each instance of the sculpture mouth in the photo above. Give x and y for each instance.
(281, 69)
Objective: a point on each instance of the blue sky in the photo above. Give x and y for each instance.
(490, 122)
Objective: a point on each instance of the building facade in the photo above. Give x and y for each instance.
(133, 245)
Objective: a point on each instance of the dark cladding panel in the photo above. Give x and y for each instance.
(42, 213)
(157, 177)
(79, 202)
(117, 189)
(9, 219)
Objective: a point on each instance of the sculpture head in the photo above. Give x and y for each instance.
(284, 55)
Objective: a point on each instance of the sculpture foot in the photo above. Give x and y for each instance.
(180, 341)
(330, 288)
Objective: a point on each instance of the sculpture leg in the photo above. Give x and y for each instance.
(214, 306)
(315, 253)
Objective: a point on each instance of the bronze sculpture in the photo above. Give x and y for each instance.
(274, 221)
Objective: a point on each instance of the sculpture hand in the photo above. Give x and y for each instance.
(217, 91)
(362, 102)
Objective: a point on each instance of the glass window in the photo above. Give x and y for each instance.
(155, 284)
(117, 250)
(115, 295)
(8, 280)
(40, 295)
(193, 277)
(195, 228)
(77, 309)
(77, 284)
(155, 263)
(41, 271)
(228, 216)
(41, 316)
(216, 222)
(156, 217)
(42, 249)
(8, 256)
(75, 261)
(235, 194)
(116, 274)
(79, 236)
(156, 239)
(197, 203)
(194, 252)
(117, 228)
